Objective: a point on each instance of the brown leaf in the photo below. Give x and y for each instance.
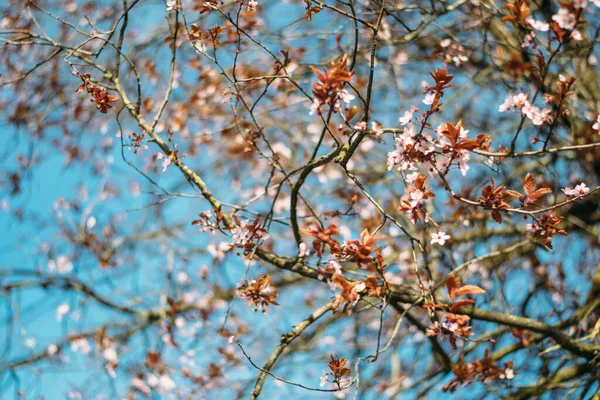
(468, 289)
(460, 304)
(452, 283)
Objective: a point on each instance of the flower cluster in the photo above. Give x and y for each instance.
(422, 149)
(451, 53)
(454, 326)
(545, 227)
(564, 25)
(330, 88)
(173, 5)
(359, 251)
(413, 203)
(99, 95)
(251, 5)
(484, 370)
(338, 372)
(246, 234)
(258, 293)
(579, 190)
(352, 291)
(137, 142)
(521, 102)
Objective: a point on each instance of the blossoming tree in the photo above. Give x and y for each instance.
(243, 199)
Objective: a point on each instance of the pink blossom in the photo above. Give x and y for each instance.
(303, 250)
(462, 163)
(360, 126)
(439, 238)
(61, 311)
(62, 265)
(172, 5)
(252, 5)
(565, 19)
(345, 96)
(529, 40)
(166, 161)
(582, 188)
(241, 235)
(596, 126)
(541, 26)
(531, 228)
(410, 178)
(315, 107)
(429, 99)
(81, 344)
(579, 190)
(415, 197)
(376, 128)
(537, 116)
(324, 379)
(393, 159)
(405, 119)
(506, 105)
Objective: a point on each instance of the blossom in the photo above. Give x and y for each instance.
(429, 99)
(565, 19)
(61, 311)
(439, 238)
(376, 129)
(529, 40)
(345, 96)
(462, 163)
(166, 161)
(315, 107)
(62, 265)
(579, 190)
(521, 102)
(163, 383)
(252, 5)
(406, 117)
(410, 178)
(241, 234)
(231, 339)
(541, 26)
(360, 126)
(415, 197)
(172, 5)
(324, 378)
(140, 385)
(110, 355)
(508, 373)
(537, 116)
(303, 250)
(80, 344)
(531, 228)
(582, 188)
(393, 159)
(506, 105)
(596, 126)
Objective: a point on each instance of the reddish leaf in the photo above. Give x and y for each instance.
(468, 289)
